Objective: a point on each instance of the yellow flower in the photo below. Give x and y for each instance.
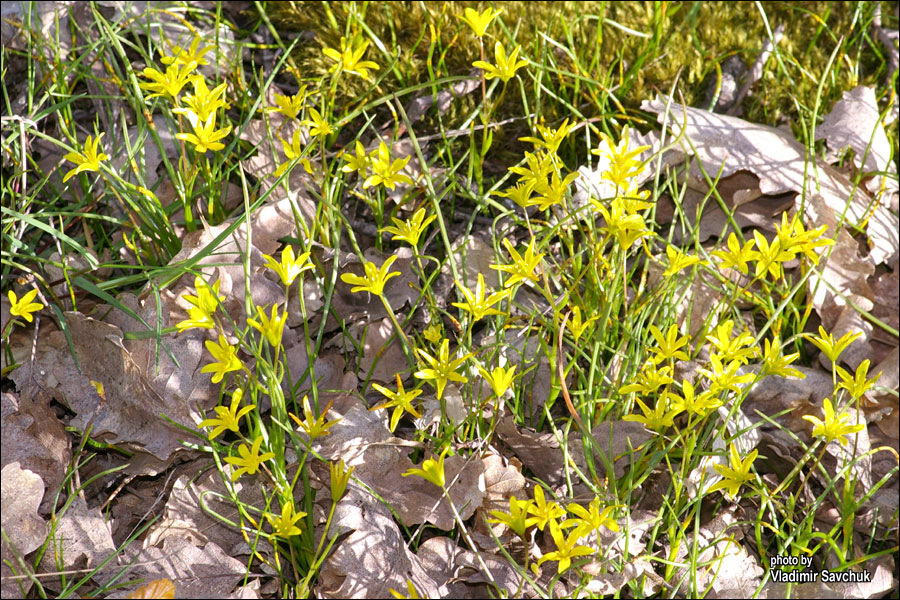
(520, 193)
(626, 227)
(566, 548)
(340, 476)
(505, 68)
(834, 427)
(678, 261)
(250, 459)
(500, 379)
(24, 307)
(271, 327)
(517, 518)
(723, 377)
(476, 303)
(169, 84)
(205, 136)
(432, 333)
(737, 256)
(410, 230)
(204, 306)
(203, 102)
(359, 161)
(226, 359)
(385, 171)
(770, 256)
(523, 267)
(576, 326)
(793, 235)
(313, 426)
(194, 54)
(699, 405)
(669, 346)
(737, 475)
(285, 525)
(401, 400)
(432, 470)
(442, 369)
(650, 378)
(375, 277)
(89, 160)
(228, 418)
(590, 519)
(348, 59)
(550, 138)
(479, 21)
(740, 348)
(292, 152)
(290, 267)
(827, 344)
(290, 106)
(857, 384)
(623, 163)
(544, 512)
(317, 124)
(775, 363)
(657, 419)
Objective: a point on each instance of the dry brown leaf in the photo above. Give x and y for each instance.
(855, 122)
(33, 437)
(21, 492)
(82, 539)
(198, 572)
(374, 558)
(779, 161)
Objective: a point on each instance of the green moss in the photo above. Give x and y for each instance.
(594, 67)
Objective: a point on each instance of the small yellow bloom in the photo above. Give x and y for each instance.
(313, 426)
(857, 384)
(550, 138)
(226, 359)
(544, 512)
(831, 348)
(285, 525)
(340, 476)
(385, 171)
(177, 76)
(441, 369)
(500, 379)
(205, 136)
(410, 230)
(432, 470)
(194, 54)
(228, 418)
(736, 476)
(834, 427)
(292, 152)
(89, 160)
(517, 518)
(317, 124)
(737, 256)
(479, 21)
(566, 548)
(203, 102)
(290, 106)
(358, 161)
(523, 268)
(505, 68)
(290, 266)
(271, 327)
(401, 400)
(433, 333)
(250, 459)
(375, 277)
(24, 307)
(679, 260)
(349, 59)
(476, 303)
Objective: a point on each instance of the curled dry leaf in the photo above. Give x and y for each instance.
(779, 161)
